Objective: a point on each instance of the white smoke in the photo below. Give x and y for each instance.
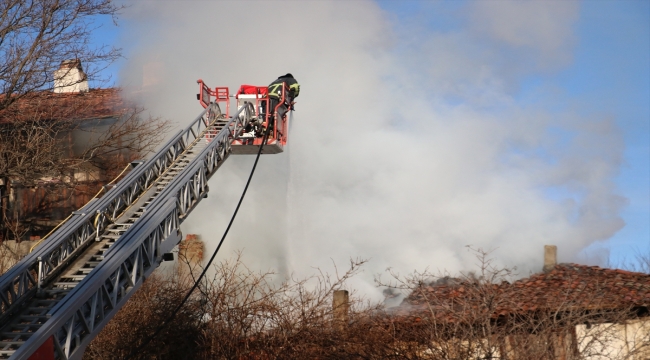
(407, 143)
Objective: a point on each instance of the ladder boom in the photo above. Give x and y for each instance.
(98, 258)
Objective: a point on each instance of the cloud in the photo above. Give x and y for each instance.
(406, 145)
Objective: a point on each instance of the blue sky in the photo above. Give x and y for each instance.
(607, 75)
(612, 73)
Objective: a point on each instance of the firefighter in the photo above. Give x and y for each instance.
(275, 94)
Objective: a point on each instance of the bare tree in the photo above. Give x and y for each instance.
(36, 36)
(64, 145)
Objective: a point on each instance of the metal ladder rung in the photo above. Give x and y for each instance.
(66, 284)
(110, 236)
(45, 301)
(55, 292)
(4, 343)
(23, 327)
(14, 334)
(76, 277)
(37, 309)
(32, 317)
(21, 336)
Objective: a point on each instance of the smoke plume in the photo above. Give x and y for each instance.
(407, 143)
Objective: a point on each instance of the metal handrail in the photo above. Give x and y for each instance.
(74, 321)
(21, 281)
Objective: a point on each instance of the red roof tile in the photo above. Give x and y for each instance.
(566, 287)
(96, 103)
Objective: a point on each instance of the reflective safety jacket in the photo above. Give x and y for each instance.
(275, 88)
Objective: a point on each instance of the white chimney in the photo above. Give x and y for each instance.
(70, 78)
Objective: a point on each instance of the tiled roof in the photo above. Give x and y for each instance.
(584, 286)
(96, 103)
(567, 287)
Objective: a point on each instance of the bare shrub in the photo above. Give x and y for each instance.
(152, 303)
(242, 314)
(249, 316)
(485, 315)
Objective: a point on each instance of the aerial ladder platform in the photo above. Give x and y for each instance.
(59, 297)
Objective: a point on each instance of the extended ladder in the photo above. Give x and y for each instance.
(68, 288)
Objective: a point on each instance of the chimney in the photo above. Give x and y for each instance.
(70, 78)
(550, 257)
(340, 307)
(190, 255)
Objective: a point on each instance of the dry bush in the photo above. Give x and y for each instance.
(237, 314)
(242, 314)
(249, 316)
(140, 316)
(482, 316)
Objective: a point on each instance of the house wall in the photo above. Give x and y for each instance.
(611, 341)
(39, 208)
(89, 133)
(608, 341)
